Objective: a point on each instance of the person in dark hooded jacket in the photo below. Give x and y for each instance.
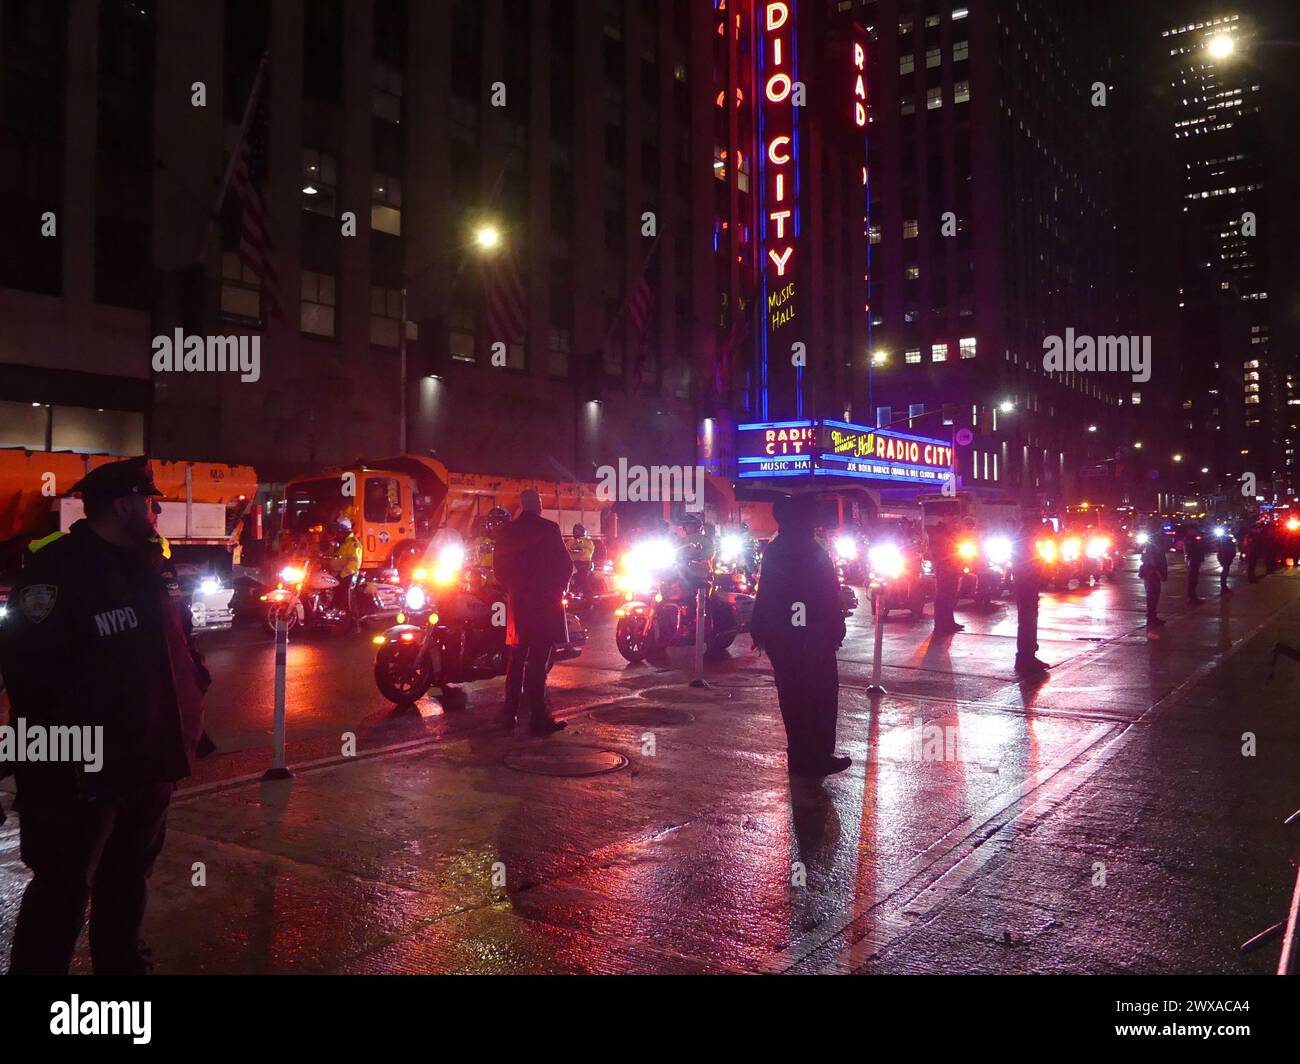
(798, 621)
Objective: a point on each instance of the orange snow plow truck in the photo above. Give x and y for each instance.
(204, 507)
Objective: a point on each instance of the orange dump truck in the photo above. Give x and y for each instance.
(203, 508)
(396, 504)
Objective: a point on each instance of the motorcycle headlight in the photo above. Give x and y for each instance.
(1143, 538)
(847, 548)
(886, 560)
(209, 585)
(731, 547)
(416, 599)
(997, 549)
(291, 574)
(1219, 531)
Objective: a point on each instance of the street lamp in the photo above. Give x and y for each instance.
(879, 358)
(1178, 458)
(1221, 46)
(1007, 406)
(487, 237)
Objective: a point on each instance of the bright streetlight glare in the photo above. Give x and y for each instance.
(487, 237)
(1220, 46)
(1006, 406)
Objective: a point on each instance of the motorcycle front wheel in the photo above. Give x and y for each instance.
(402, 673)
(634, 646)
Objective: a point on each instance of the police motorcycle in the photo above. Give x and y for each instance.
(850, 557)
(306, 593)
(994, 575)
(659, 584)
(591, 581)
(451, 630)
(898, 579)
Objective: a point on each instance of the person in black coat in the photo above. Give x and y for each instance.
(798, 621)
(1226, 551)
(1153, 571)
(947, 578)
(1194, 550)
(532, 563)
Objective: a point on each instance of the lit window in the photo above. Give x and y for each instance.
(905, 26)
(961, 92)
(959, 13)
(318, 303)
(1136, 398)
(960, 51)
(912, 354)
(913, 272)
(966, 345)
(906, 63)
(932, 20)
(911, 228)
(933, 57)
(386, 204)
(873, 234)
(319, 181)
(938, 352)
(934, 98)
(914, 411)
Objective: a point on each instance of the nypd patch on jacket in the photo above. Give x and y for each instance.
(92, 639)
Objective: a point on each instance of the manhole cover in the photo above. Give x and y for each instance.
(565, 761)
(644, 716)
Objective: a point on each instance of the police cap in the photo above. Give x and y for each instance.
(134, 476)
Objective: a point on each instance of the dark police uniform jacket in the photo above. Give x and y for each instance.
(92, 639)
(797, 570)
(532, 563)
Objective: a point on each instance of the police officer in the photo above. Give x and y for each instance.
(1194, 552)
(1153, 571)
(1027, 581)
(581, 551)
(1254, 546)
(1225, 550)
(346, 565)
(482, 546)
(93, 642)
(797, 620)
(697, 548)
(947, 578)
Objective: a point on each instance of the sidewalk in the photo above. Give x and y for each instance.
(683, 859)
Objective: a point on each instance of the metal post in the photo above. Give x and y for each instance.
(402, 373)
(277, 771)
(874, 687)
(701, 603)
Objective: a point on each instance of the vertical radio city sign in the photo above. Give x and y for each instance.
(780, 105)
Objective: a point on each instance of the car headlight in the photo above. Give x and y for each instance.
(997, 549)
(886, 560)
(847, 548)
(416, 599)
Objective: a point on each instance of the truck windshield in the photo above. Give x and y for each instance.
(314, 502)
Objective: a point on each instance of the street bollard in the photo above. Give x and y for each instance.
(278, 771)
(874, 687)
(701, 601)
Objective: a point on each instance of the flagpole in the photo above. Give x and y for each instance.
(234, 158)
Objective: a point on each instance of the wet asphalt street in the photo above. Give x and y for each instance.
(1102, 820)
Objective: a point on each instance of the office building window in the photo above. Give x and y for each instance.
(960, 51)
(912, 354)
(910, 228)
(241, 295)
(938, 352)
(906, 63)
(908, 106)
(386, 204)
(933, 57)
(914, 411)
(912, 273)
(884, 414)
(967, 346)
(318, 304)
(319, 181)
(961, 92)
(387, 92)
(385, 316)
(934, 98)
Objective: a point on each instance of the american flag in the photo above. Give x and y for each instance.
(505, 303)
(249, 184)
(727, 348)
(640, 306)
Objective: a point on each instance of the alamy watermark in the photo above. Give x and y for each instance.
(21, 743)
(1098, 354)
(179, 353)
(656, 483)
